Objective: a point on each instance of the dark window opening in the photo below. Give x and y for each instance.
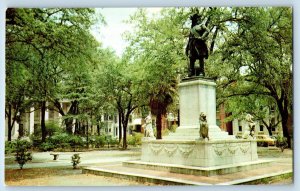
(261, 128)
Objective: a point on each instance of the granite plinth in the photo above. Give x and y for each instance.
(185, 147)
(199, 153)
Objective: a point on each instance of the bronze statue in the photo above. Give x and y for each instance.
(196, 48)
(203, 127)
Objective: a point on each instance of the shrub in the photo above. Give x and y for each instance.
(52, 127)
(22, 154)
(90, 142)
(135, 139)
(75, 160)
(165, 132)
(36, 140)
(114, 141)
(59, 140)
(9, 147)
(173, 128)
(100, 141)
(281, 142)
(138, 138)
(110, 141)
(47, 146)
(37, 130)
(75, 141)
(131, 140)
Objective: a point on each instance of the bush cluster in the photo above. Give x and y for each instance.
(9, 147)
(281, 142)
(75, 160)
(22, 154)
(102, 140)
(62, 141)
(135, 139)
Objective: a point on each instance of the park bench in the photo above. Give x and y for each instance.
(55, 155)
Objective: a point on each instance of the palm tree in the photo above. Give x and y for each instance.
(160, 99)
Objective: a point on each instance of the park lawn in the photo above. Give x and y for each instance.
(60, 177)
(15, 175)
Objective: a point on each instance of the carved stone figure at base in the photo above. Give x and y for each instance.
(251, 128)
(148, 129)
(203, 126)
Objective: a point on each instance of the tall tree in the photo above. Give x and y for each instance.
(256, 58)
(117, 81)
(156, 47)
(54, 39)
(248, 47)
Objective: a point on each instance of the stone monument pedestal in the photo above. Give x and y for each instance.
(181, 157)
(199, 153)
(184, 147)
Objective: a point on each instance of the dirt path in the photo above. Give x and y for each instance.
(60, 177)
(46, 172)
(74, 180)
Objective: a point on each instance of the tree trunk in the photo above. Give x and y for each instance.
(270, 130)
(125, 123)
(69, 123)
(284, 119)
(9, 126)
(98, 129)
(87, 134)
(124, 137)
(120, 127)
(43, 125)
(178, 117)
(158, 125)
(9, 134)
(285, 129)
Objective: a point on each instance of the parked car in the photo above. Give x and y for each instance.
(274, 137)
(265, 140)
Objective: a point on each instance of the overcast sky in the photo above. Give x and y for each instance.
(111, 34)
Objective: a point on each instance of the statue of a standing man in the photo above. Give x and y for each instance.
(196, 48)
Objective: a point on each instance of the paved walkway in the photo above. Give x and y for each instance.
(44, 159)
(112, 160)
(283, 164)
(115, 170)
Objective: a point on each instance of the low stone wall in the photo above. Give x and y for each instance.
(199, 153)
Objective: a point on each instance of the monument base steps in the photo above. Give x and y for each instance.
(163, 174)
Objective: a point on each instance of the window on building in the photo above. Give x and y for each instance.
(37, 115)
(261, 128)
(240, 128)
(272, 123)
(105, 117)
(115, 118)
